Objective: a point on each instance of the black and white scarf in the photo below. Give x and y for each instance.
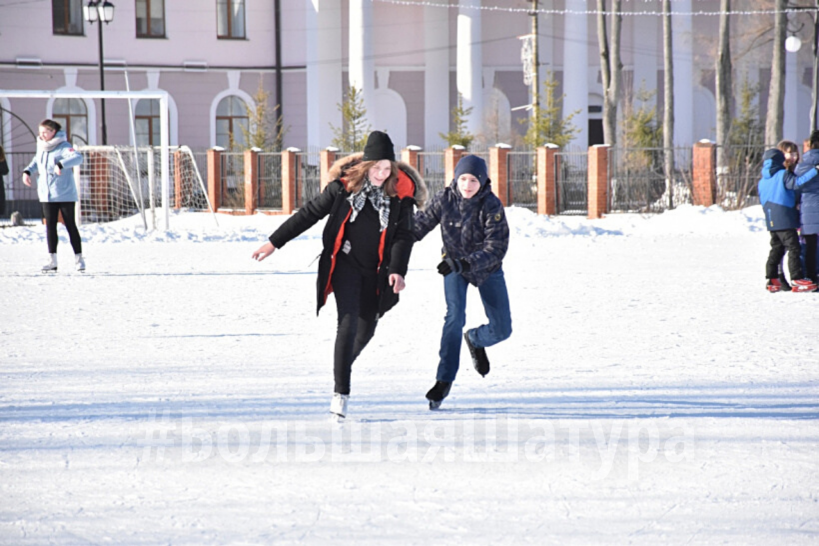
(376, 196)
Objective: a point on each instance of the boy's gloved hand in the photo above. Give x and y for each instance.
(448, 265)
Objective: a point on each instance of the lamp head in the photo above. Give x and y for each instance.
(793, 43)
(90, 12)
(106, 11)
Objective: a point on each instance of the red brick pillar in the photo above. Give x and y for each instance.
(328, 157)
(215, 177)
(704, 183)
(451, 157)
(547, 164)
(251, 160)
(178, 192)
(598, 180)
(289, 167)
(410, 156)
(499, 173)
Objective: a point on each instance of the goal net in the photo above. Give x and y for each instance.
(115, 182)
(123, 181)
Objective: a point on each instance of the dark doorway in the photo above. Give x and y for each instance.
(596, 132)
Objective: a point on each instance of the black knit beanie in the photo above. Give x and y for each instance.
(474, 165)
(379, 146)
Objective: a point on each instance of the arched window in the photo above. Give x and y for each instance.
(231, 122)
(73, 116)
(146, 122)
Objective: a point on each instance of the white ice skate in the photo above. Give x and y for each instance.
(338, 406)
(51, 265)
(79, 262)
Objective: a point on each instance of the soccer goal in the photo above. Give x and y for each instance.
(119, 181)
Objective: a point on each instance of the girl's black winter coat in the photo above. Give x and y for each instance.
(396, 240)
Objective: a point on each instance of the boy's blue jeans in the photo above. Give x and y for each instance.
(495, 301)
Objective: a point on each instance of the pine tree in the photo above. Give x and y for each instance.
(747, 129)
(265, 131)
(352, 135)
(459, 136)
(550, 127)
(640, 126)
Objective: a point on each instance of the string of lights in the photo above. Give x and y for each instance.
(424, 3)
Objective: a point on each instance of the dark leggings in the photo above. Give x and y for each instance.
(357, 303)
(810, 257)
(51, 212)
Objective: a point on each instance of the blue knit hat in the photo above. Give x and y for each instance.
(474, 165)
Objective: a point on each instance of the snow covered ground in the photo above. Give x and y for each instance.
(177, 393)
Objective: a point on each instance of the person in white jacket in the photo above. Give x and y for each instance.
(56, 189)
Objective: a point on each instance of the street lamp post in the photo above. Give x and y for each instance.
(100, 11)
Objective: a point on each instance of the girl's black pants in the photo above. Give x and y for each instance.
(51, 213)
(356, 298)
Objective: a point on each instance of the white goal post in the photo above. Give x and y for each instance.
(162, 96)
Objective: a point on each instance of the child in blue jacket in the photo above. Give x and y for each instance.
(809, 207)
(476, 236)
(777, 194)
(54, 163)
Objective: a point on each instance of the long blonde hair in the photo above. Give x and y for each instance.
(355, 175)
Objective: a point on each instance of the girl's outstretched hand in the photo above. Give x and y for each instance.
(264, 251)
(397, 282)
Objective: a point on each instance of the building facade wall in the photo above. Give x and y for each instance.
(193, 65)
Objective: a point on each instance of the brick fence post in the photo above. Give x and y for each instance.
(598, 180)
(215, 177)
(499, 173)
(547, 164)
(451, 157)
(289, 180)
(251, 160)
(178, 179)
(410, 156)
(327, 158)
(704, 183)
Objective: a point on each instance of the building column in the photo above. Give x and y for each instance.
(647, 53)
(682, 42)
(323, 36)
(470, 62)
(361, 65)
(576, 69)
(436, 75)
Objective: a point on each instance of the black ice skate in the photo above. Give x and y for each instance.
(437, 394)
(478, 354)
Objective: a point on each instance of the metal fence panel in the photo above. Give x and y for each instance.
(431, 167)
(522, 179)
(572, 182)
(233, 181)
(269, 194)
(308, 177)
(19, 197)
(737, 179)
(638, 183)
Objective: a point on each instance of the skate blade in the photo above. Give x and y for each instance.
(811, 288)
(336, 418)
(434, 405)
